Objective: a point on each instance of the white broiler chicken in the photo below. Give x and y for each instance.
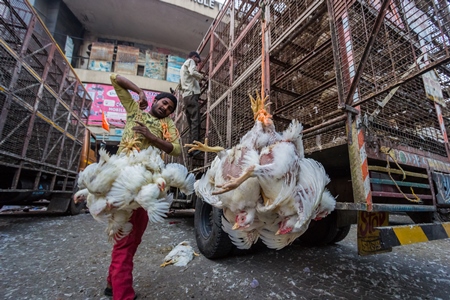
(239, 204)
(89, 174)
(276, 169)
(326, 205)
(305, 205)
(268, 165)
(312, 192)
(130, 180)
(105, 173)
(126, 186)
(278, 157)
(176, 175)
(180, 256)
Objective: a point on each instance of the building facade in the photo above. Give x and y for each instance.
(147, 43)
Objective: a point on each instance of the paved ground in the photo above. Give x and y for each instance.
(66, 257)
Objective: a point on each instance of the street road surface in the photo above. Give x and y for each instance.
(67, 257)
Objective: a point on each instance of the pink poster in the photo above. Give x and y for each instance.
(105, 99)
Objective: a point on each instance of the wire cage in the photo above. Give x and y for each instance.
(388, 59)
(44, 106)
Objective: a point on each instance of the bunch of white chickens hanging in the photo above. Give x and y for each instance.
(118, 184)
(265, 186)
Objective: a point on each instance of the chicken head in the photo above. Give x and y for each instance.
(244, 218)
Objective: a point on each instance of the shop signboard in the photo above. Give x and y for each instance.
(105, 100)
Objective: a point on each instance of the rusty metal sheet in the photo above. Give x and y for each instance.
(126, 60)
(101, 57)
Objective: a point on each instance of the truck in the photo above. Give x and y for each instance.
(44, 142)
(369, 81)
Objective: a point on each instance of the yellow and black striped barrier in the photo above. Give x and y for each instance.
(392, 236)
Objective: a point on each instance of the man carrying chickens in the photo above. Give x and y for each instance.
(141, 131)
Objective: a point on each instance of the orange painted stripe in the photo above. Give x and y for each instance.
(365, 169)
(360, 139)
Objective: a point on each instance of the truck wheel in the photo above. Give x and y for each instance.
(74, 209)
(341, 234)
(212, 241)
(320, 233)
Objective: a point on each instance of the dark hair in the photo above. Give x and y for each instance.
(194, 53)
(168, 95)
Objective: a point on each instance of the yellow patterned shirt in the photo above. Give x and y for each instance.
(153, 124)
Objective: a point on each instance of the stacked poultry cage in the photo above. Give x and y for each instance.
(369, 81)
(44, 107)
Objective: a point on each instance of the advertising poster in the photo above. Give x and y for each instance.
(155, 65)
(68, 49)
(104, 99)
(174, 64)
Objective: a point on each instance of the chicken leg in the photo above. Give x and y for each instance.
(166, 263)
(130, 144)
(235, 182)
(266, 200)
(203, 147)
(260, 112)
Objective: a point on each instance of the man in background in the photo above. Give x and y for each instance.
(190, 88)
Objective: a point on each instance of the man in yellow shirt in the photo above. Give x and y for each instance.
(155, 129)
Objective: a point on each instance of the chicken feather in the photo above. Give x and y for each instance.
(177, 175)
(126, 186)
(311, 188)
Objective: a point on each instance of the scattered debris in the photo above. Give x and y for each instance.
(254, 284)
(21, 208)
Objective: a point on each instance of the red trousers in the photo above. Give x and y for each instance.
(120, 275)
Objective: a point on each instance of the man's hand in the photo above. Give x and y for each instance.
(142, 129)
(143, 103)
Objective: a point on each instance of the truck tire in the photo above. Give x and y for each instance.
(75, 209)
(212, 241)
(342, 233)
(320, 233)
